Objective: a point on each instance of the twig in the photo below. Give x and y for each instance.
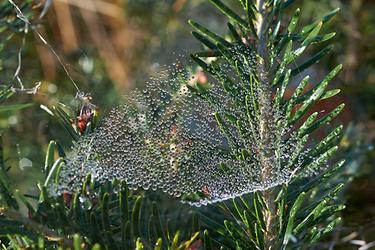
(265, 119)
(29, 91)
(28, 25)
(32, 225)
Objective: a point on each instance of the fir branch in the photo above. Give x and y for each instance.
(265, 118)
(31, 225)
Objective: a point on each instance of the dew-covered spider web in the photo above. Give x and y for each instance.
(200, 146)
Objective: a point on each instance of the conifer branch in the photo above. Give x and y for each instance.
(265, 120)
(31, 225)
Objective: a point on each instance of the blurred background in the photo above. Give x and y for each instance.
(112, 46)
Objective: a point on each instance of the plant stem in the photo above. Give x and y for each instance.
(34, 226)
(265, 123)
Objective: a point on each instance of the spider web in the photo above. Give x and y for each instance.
(166, 137)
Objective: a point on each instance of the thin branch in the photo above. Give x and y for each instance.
(265, 123)
(33, 226)
(28, 25)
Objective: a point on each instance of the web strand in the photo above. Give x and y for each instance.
(28, 25)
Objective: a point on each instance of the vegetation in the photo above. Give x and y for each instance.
(263, 154)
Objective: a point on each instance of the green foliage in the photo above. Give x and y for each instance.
(10, 25)
(305, 211)
(293, 215)
(106, 216)
(9, 22)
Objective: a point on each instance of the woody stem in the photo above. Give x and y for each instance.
(265, 123)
